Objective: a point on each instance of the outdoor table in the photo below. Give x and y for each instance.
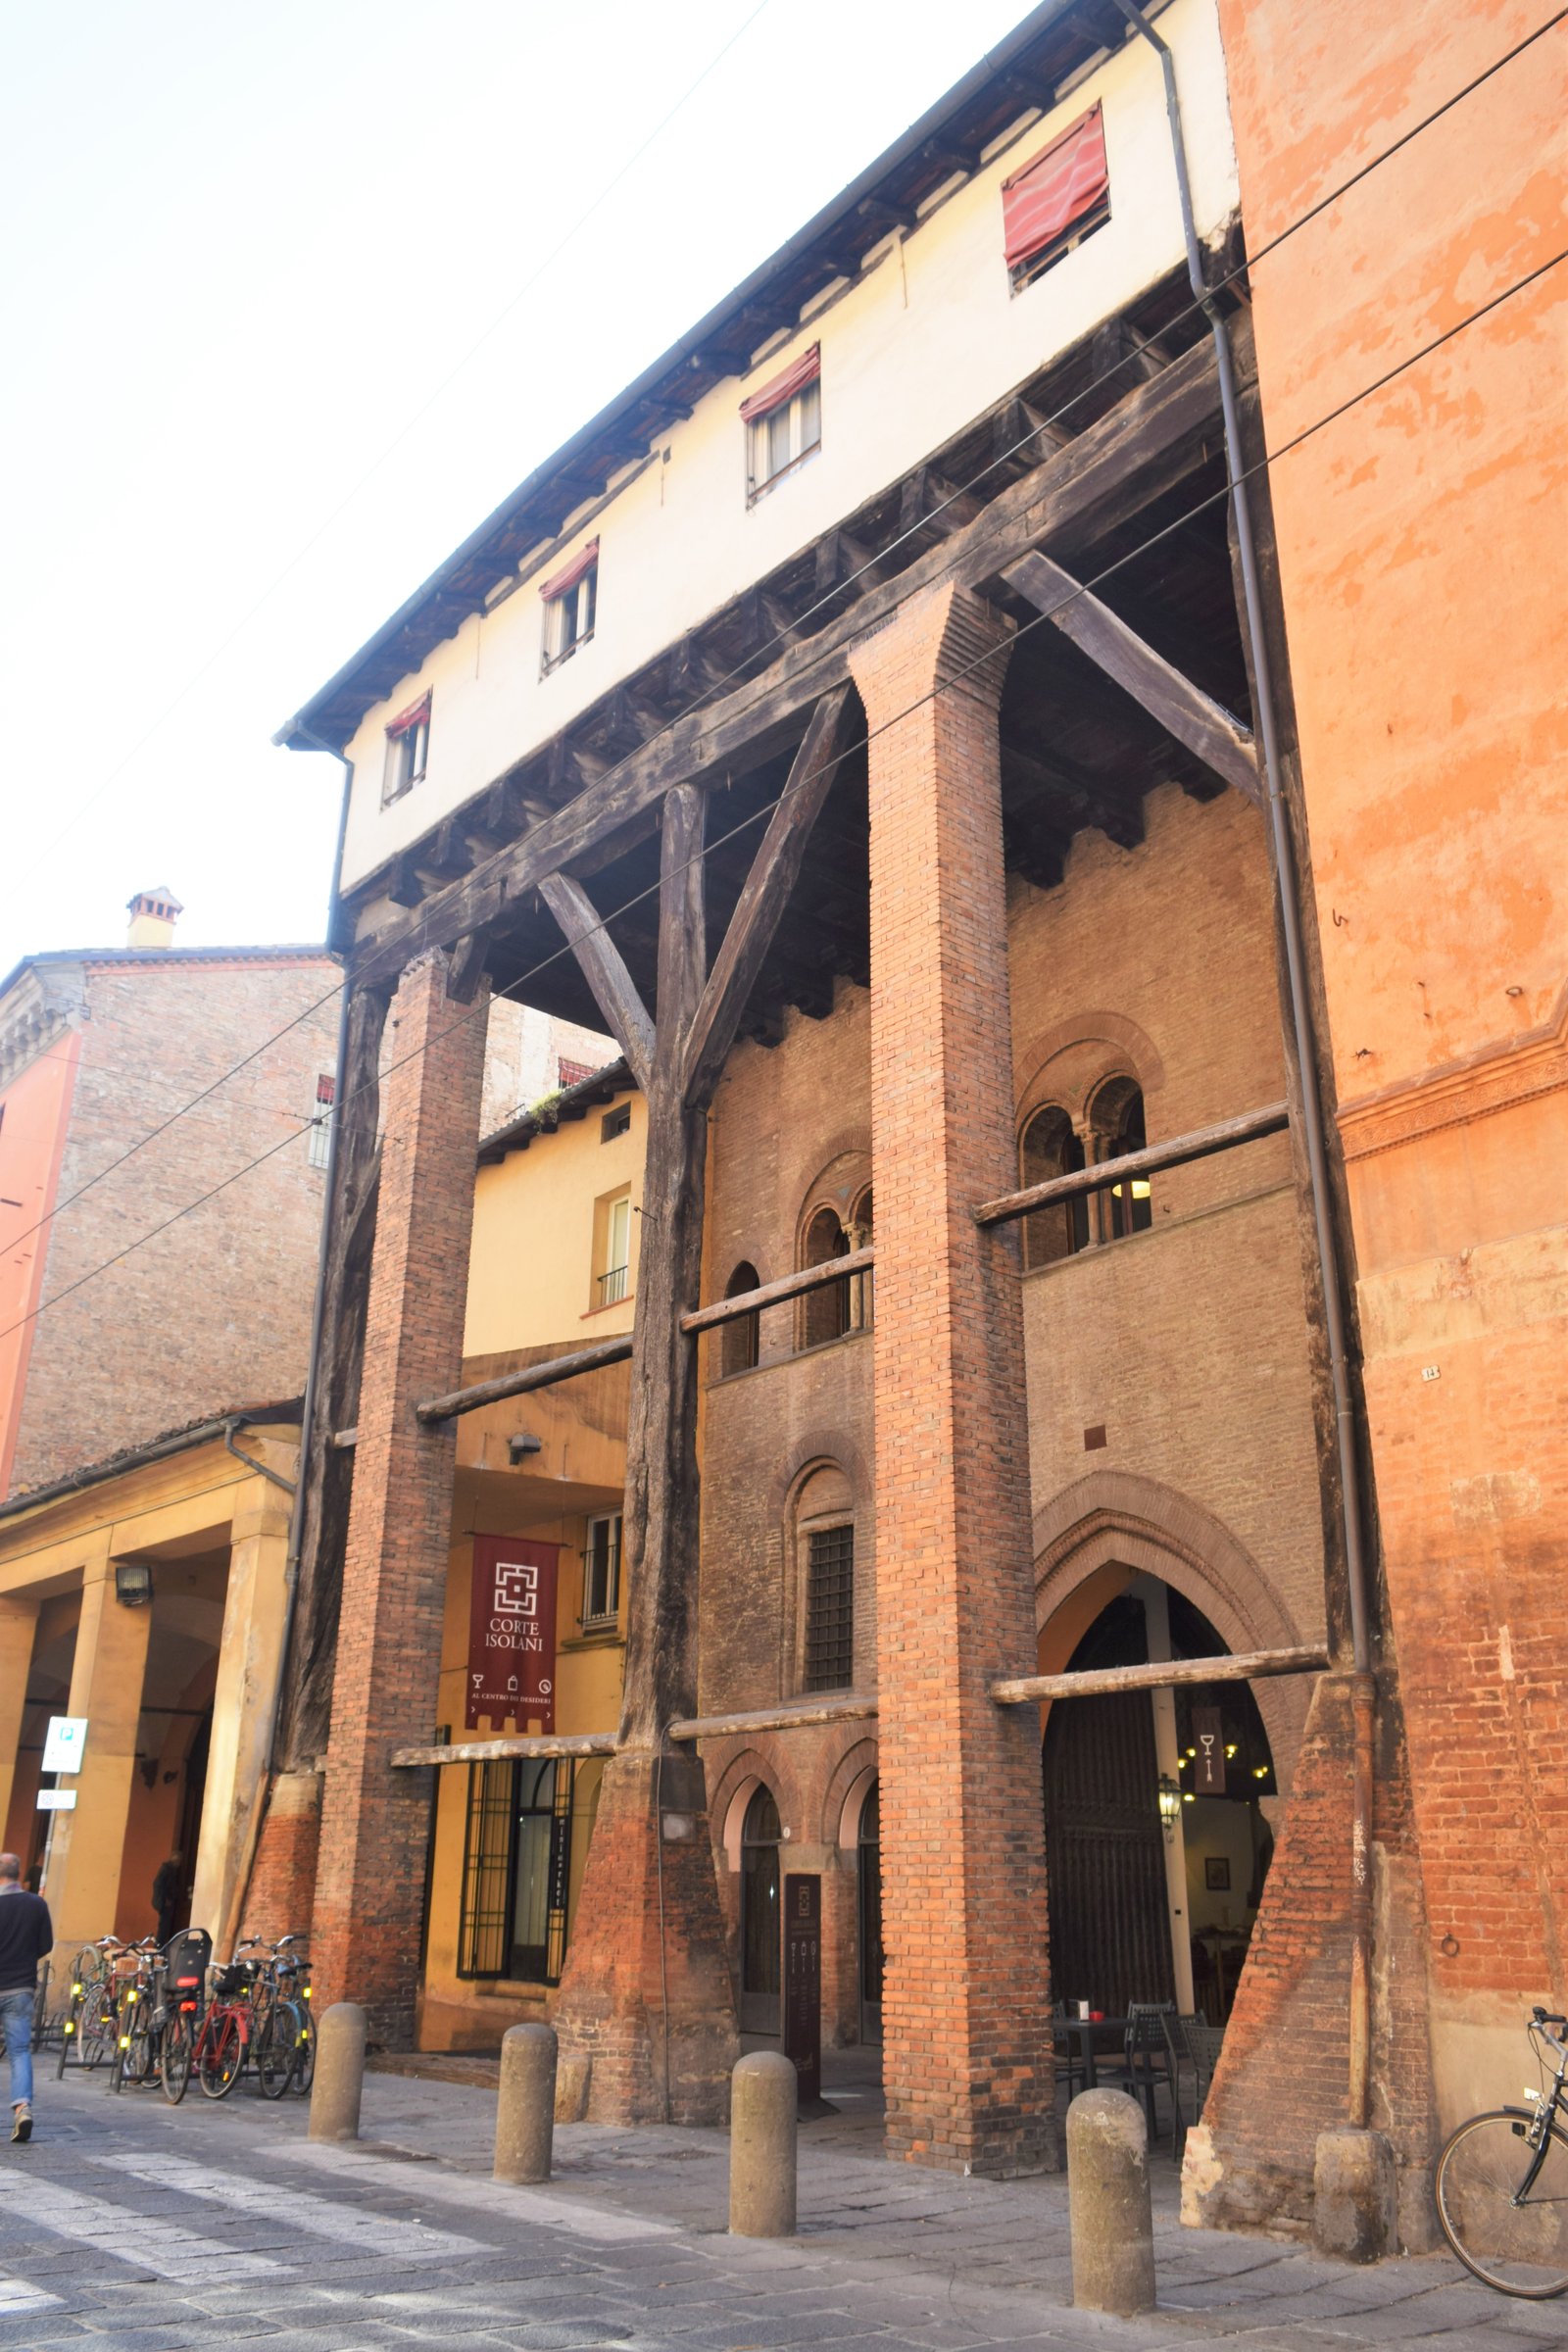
(1082, 2030)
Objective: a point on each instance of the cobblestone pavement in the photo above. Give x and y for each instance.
(131, 2226)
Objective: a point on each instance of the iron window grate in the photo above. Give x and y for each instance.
(830, 1609)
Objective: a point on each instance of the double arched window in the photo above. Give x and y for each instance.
(838, 1306)
(1052, 1144)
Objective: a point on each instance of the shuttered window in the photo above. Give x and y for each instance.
(1059, 197)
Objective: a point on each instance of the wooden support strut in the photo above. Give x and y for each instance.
(493, 1751)
(788, 1286)
(1182, 709)
(522, 1383)
(1247, 1666)
(1150, 440)
(1202, 1144)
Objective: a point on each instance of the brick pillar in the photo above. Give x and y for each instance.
(968, 2054)
(376, 1821)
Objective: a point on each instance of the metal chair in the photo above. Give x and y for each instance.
(1203, 2045)
(1146, 2060)
(1070, 2060)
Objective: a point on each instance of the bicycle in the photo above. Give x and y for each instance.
(140, 2015)
(185, 1975)
(1502, 2182)
(89, 2024)
(223, 2038)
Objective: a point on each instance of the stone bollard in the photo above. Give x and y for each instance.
(763, 2093)
(1108, 2204)
(526, 2111)
(339, 2073)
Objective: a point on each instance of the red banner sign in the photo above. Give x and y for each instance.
(512, 1632)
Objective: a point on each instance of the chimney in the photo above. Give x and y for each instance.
(153, 916)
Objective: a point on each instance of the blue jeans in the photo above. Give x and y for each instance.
(15, 2023)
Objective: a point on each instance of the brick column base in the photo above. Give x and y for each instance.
(1284, 2074)
(282, 1889)
(647, 1982)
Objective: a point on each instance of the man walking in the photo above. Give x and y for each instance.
(26, 1934)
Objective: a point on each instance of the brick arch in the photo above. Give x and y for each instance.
(812, 1189)
(1129, 1047)
(1117, 1517)
(857, 1763)
(812, 1448)
(730, 1792)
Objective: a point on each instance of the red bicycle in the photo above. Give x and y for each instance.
(223, 2038)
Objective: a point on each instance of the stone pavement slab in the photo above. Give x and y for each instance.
(131, 2226)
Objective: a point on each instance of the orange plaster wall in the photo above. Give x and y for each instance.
(1423, 543)
(32, 1141)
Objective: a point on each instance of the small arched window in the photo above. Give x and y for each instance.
(825, 1556)
(740, 1341)
(1049, 1147)
(824, 1313)
(761, 1922)
(1116, 1115)
(862, 1294)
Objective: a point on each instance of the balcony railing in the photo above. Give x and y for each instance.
(612, 1286)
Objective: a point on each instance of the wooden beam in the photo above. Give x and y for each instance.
(1224, 1136)
(766, 894)
(1182, 709)
(788, 1286)
(839, 1707)
(603, 969)
(493, 1751)
(1250, 1666)
(467, 967)
(523, 1383)
(1152, 440)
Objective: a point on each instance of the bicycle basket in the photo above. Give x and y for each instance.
(237, 1977)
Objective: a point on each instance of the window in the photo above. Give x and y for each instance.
(613, 1279)
(761, 1924)
(783, 424)
(831, 1608)
(1062, 196)
(601, 1572)
(572, 1073)
(1048, 1147)
(516, 1870)
(824, 1313)
(320, 1148)
(1116, 1115)
(740, 1341)
(408, 745)
(572, 605)
(615, 1122)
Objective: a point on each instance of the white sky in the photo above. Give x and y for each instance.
(244, 248)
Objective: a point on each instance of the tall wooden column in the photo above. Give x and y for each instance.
(369, 1889)
(646, 1994)
(967, 2056)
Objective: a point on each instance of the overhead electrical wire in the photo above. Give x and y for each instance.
(879, 555)
(1083, 588)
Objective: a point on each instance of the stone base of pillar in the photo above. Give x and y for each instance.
(282, 1889)
(646, 1996)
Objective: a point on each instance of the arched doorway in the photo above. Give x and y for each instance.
(760, 1926)
(869, 1912)
(1154, 1863)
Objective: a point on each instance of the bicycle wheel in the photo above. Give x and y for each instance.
(96, 2036)
(1514, 2238)
(274, 2048)
(304, 2073)
(220, 2055)
(175, 2057)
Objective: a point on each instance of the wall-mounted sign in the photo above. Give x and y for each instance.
(56, 1800)
(512, 1632)
(803, 1980)
(1208, 1765)
(64, 1743)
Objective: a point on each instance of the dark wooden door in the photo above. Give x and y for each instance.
(1105, 1853)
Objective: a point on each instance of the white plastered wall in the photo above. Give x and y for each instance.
(929, 338)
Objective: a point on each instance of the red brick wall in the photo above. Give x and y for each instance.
(375, 1820)
(214, 1310)
(282, 1887)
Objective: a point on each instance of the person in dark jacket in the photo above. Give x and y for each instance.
(27, 1935)
(166, 1895)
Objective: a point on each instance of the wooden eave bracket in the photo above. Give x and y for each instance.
(1183, 709)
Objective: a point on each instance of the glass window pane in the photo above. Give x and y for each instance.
(810, 404)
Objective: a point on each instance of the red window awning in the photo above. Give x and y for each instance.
(416, 714)
(568, 578)
(795, 379)
(1065, 180)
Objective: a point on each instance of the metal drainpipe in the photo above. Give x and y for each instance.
(1363, 1688)
(224, 1944)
